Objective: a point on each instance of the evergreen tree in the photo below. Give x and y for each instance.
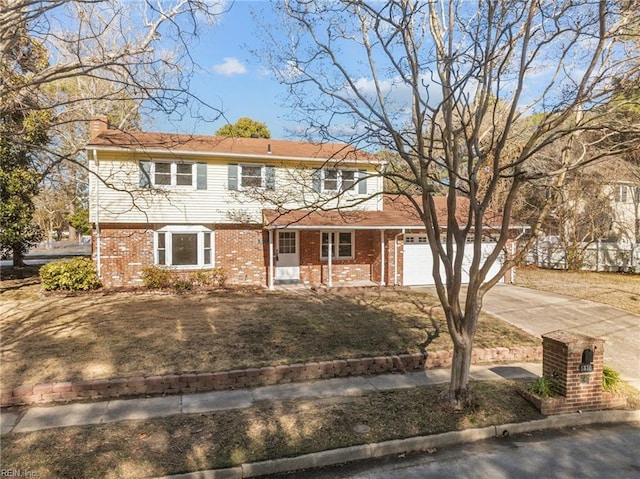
(23, 132)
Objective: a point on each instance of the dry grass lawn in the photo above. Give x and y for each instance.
(615, 289)
(58, 337)
(178, 444)
(269, 430)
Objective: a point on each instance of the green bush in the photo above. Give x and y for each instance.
(610, 379)
(77, 274)
(542, 387)
(154, 277)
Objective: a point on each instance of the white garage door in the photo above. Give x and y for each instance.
(418, 261)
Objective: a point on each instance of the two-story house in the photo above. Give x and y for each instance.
(265, 211)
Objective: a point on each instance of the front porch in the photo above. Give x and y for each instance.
(327, 257)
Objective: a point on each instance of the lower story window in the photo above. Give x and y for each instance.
(341, 243)
(188, 247)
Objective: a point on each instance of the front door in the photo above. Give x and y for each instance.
(287, 257)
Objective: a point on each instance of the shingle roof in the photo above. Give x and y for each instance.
(398, 213)
(171, 142)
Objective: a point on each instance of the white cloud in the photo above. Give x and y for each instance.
(230, 66)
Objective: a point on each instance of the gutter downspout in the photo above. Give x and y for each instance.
(271, 259)
(97, 219)
(330, 263)
(395, 257)
(382, 259)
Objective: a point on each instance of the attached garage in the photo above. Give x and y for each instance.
(418, 261)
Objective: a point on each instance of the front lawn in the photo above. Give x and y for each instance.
(105, 335)
(619, 290)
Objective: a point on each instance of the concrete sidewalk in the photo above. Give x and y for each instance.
(47, 417)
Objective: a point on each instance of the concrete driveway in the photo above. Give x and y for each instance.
(539, 312)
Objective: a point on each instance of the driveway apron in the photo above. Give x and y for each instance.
(539, 312)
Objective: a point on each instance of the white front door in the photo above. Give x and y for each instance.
(287, 257)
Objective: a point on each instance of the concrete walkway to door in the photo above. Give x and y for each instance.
(539, 312)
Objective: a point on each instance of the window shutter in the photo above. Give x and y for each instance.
(270, 177)
(145, 174)
(362, 186)
(316, 180)
(232, 180)
(201, 176)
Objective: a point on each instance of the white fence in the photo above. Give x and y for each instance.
(598, 256)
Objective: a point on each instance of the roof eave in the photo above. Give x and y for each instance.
(239, 156)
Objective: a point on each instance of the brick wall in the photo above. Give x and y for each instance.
(243, 252)
(123, 252)
(245, 378)
(579, 390)
(362, 267)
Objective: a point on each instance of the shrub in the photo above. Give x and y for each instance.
(219, 277)
(201, 278)
(154, 277)
(77, 274)
(215, 277)
(182, 285)
(542, 387)
(610, 379)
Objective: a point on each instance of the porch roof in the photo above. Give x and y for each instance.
(348, 220)
(398, 214)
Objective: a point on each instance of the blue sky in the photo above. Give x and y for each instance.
(232, 78)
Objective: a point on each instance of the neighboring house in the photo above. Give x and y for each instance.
(250, 207)
(625, 205)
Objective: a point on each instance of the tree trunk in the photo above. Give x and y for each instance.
(459, 394)
(18, 258)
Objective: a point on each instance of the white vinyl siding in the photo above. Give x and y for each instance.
(124, 199)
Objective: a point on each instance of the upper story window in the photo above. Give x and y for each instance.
(333, 180)
(250, 176)
(172, 173)
(622, 194)
(182, 174)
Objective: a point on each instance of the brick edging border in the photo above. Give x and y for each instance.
(252, 377)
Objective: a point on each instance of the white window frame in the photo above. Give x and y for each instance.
(263, 178)
(200, 231)
(416, 238)
(338, 180)
(335, 245)
(174, 174)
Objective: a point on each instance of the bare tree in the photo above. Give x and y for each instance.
(104, 53)
(468, 96)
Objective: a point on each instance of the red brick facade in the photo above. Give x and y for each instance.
(242, 251)
(123, 252)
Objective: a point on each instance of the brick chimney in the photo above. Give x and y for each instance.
(97, 125)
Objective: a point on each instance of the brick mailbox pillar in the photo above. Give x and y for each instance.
(574, 364)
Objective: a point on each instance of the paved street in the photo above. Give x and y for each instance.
(585, 453)
(540, 312)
